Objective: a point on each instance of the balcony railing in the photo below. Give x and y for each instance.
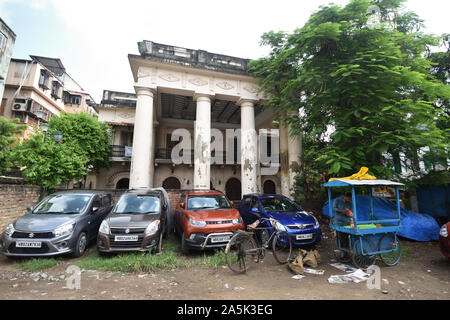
(121, 151)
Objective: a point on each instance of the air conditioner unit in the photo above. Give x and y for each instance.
(22, 105)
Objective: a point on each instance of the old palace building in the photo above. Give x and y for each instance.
(201, 93)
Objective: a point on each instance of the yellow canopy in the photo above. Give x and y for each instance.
(361, 175)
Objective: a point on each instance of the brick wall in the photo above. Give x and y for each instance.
(14, 201)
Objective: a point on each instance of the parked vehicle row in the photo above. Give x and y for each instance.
(65, 222)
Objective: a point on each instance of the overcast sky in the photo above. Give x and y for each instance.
(94, 37)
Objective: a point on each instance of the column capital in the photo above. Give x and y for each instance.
(203, 97)
(245, 102)
(144, 91)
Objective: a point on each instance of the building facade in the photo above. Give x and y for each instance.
(41, 84)
(7, 40)
(202, 96)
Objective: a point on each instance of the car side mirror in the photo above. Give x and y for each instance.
(95, 209)
(30, 208)
(164, 206)
(255, 210)
(182, 205)
(231, 202)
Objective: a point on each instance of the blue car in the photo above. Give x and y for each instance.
(302, 226)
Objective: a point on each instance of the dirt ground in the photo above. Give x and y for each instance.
(423, 273)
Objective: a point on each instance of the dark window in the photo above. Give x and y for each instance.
(172, 183)
(97, 203)
(255, 203)
(247, 202)
(44, 78)
(107, 200)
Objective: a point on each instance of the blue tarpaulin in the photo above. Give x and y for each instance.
(414, 226)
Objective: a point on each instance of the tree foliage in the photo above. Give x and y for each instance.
(84, 147)
(9, 130)
(48, 164)
(371, 85)
(87, 134)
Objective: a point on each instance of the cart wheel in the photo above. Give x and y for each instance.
(366, 245)
(340, 255)
(388, 242)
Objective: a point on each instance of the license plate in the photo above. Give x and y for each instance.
(126, 238)
(220, 239)
(305, 236)
(28, 244)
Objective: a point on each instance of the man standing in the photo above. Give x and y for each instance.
(342, 210)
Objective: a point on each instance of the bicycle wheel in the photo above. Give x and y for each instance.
(282, 247)
(361, 253)
(241, 252)
(388, 242)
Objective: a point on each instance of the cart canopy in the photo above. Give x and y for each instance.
(352, 182)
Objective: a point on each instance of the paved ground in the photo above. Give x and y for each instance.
(422, 274)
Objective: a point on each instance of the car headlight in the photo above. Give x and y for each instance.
(64, 230)
(278, 226)
(444, 232)
(237, 221)
(10, 230)
(104, 227)
(316, 222)
(152, 228)
(197, 223)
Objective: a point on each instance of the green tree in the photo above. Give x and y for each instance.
(89, 136)
(48, 164)
(372, 85)
(9, 129)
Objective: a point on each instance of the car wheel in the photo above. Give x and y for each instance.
(81, 245)
(184, 246)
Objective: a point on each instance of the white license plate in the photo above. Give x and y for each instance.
(220, 239)
(28, 244)
(305, 236)
(126, 238)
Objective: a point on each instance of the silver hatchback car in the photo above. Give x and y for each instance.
(62, 223)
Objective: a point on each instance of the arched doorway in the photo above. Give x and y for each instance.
(171, 183)
(123, 184)
(269, 187)
(233, 189)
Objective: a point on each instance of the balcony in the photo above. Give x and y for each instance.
(121, 153)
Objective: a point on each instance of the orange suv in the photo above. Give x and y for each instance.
(206, 219)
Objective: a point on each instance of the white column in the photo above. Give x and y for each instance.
(202, 144)
(295, 149)
(142, 168)
(249, 148)
(284, 160)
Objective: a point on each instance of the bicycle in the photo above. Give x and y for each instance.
(242, 249)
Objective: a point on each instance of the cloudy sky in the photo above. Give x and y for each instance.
(94, 37)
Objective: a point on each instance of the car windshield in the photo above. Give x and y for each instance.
(278, 205)
(206, 202)
(137, 204)
(63, 204)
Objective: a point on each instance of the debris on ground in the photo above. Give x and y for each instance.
(356, 277)
(298, 277)
(343, 267)
(314, 271)
(305, 258)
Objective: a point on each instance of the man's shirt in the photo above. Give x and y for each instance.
(341, 219)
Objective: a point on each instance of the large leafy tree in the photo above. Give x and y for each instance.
(370, 84)
(88, 134)
(83, 148)
(48, 164)
(9, 130)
